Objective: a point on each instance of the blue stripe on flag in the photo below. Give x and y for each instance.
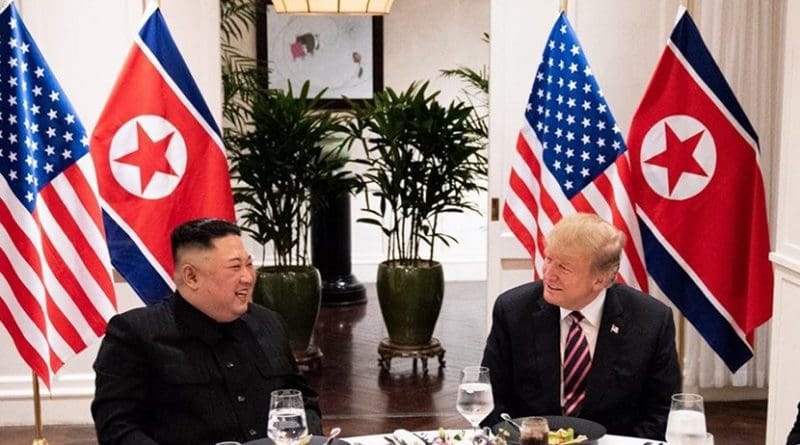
(685, 36)
(157, 38)
(692, 303)
(138, 272)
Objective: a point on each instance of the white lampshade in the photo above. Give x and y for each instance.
(371, 7)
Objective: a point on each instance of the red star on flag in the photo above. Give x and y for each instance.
(150, 157)
(677, 158)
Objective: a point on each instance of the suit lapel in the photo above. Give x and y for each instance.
(546, 339)
(610, 338)
(263, 332)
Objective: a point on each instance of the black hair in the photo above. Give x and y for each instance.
(200, 233)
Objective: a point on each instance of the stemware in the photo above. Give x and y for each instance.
(687, 419)
(287, 417)
(475, 400)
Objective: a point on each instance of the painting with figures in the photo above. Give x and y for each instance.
(330, 51)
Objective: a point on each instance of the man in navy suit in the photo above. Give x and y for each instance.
(632, 368)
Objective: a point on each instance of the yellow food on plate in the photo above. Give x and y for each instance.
(560, 436)
(564, 436)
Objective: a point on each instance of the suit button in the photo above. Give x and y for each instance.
(252, 432)
(240, 398)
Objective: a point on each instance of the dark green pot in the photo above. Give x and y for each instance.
(410, 299)
(294, 292)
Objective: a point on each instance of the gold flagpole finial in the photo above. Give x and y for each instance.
(689, 5)
(564, 6)
(145, 2)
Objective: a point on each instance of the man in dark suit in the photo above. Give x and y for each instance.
(617, 366)
(197, 368)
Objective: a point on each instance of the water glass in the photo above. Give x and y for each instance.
(533, 431)
(686, 423)
(475, 400)
(287, 417)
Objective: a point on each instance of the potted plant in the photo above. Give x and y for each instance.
(280, 161)
(422, 160)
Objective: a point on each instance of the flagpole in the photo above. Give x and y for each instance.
(689, 5)
(38, 438)
(564, 6)
(681, 337)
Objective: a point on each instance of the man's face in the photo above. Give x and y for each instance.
(569, 281)
(224, 279)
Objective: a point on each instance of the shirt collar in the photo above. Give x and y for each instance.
(591, 312)
(195, 322)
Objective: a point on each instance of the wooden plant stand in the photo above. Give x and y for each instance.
(387, 351)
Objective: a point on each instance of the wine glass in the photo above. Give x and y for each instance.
(687, 419)
(287, 417)
(475, 400)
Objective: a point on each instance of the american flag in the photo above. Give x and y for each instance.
(570, 157)
(56, 290)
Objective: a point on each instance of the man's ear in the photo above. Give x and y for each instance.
(189, 276)
(603, 280)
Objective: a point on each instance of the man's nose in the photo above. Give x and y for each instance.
(249, 275)
(547, 273)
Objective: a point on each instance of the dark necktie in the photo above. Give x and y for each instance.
(577, 361)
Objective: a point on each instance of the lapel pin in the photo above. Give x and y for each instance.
(614, 329)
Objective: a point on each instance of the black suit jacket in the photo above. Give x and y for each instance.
(634, 369)
(794, 434)
(158, 380)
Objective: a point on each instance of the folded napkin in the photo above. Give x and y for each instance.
(406, 437)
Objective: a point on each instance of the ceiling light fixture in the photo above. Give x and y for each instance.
(355, 7)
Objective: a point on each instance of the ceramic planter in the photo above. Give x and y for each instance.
(294, 292)
(410, 298)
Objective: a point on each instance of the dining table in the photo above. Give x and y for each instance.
(608, 439)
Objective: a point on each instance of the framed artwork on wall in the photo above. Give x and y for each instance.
(340, 53)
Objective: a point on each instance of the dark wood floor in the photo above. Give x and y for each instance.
(359, 398)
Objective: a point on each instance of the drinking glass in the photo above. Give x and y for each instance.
(475, 400)
(287, 417)
(687, 419)
(533, 431)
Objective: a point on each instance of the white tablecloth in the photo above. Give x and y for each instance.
(608, 439)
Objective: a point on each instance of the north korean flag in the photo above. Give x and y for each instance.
(159, 159)
(700, 197)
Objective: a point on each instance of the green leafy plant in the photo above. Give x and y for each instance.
(422, 160)
(286, 157)
(241, 73)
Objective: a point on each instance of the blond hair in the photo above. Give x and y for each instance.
(592, 235)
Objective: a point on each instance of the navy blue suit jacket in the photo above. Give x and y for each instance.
(634, 368)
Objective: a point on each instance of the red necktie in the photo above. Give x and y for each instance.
(577, 361)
